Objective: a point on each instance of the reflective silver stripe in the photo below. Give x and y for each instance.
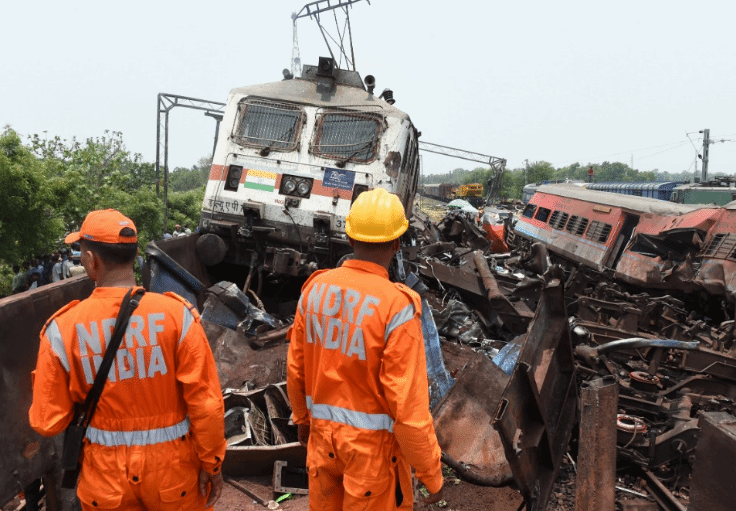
(186, 323)
(144, 437)
(362, 420)
(401, 317)
(301, 304)
(57, 343)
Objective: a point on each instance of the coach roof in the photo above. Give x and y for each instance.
(617, 200)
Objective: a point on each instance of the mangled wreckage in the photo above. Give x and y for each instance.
(614, 349)
(547, 328)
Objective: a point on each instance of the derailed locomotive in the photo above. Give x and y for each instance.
(291, 158)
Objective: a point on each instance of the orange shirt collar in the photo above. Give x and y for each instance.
(366, 266)
(111, 292)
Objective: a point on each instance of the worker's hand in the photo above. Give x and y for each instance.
(215, 483)
(303, 434)
(432, 498)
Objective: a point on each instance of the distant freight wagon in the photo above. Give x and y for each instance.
(719, 191)
(471, 192)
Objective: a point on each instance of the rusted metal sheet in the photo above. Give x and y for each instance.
(716, 276)
(237, 362)
(712, 486)
(253, 460)
(469, 278)
(699, 219)
(656, 272)
(706, 361)
(25, 455)
(516, 320)
(596, 478)
(463, 277)
(619, 315)
(462, 421)
(538, 408)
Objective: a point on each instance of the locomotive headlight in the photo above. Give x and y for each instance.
(302, 188)
(233, 177)
(289, 186)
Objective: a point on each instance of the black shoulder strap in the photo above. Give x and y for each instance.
(93, 396)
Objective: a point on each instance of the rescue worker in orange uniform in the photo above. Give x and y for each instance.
(156, 440)
(357, 377)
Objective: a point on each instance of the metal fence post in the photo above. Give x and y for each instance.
(596, 479)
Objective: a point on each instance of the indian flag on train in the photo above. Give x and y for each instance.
(260, 180)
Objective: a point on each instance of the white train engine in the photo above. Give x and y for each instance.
(291, 158)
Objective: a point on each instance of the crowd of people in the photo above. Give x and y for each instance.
(46, 269)
(62, 264)
(178, 231)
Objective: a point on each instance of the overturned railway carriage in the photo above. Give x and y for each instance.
(644, 242)
(291, 158)
(717, 272)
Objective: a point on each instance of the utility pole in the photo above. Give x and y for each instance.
(706, 144)
(526, 171)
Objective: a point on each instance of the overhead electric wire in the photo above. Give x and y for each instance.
(679, 143)
(663, 151)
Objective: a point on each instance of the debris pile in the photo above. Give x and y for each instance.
(532, 366)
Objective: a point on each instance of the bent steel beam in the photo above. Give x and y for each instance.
(539, 405)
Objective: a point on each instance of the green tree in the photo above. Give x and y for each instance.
(185, 208)
(29, 224)
(182, 179)
(509, 186)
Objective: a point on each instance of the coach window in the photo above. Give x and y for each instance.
(720, 245)
(529, 211)
(542, 214)
(352, 137)
(268, 125)
(577, 225)
(598, 231)
(558, 220)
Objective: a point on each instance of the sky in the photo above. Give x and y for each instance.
(563, 82)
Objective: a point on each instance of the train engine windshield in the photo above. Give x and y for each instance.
(347, 136)
(268, 124)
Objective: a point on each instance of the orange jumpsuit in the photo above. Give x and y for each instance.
(160, 418)
(357, 374)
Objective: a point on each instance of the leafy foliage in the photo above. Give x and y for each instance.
(537, 172)
(182, 180)
(29, 223)
(49, 186)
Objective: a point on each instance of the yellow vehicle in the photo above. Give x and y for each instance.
(472, 192)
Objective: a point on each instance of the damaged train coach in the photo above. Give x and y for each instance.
(647, 243)
(291, 158)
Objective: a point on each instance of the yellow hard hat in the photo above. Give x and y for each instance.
(375, 217)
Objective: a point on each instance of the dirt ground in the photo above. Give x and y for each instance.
(457, 496)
